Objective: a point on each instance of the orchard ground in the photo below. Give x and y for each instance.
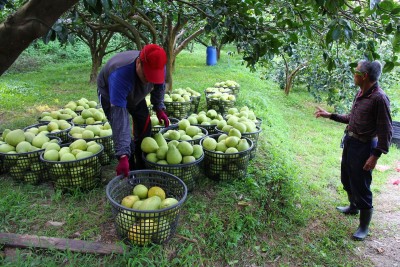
(282, 214)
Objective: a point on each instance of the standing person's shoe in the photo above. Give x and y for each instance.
(349, 210)
(365, 219)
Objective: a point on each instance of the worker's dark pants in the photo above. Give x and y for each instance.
(355, 180)
(141, 129)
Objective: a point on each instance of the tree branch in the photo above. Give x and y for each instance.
(185, 42)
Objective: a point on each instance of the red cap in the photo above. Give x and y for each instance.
(153, 58)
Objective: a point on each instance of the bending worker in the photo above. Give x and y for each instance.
(122, 84)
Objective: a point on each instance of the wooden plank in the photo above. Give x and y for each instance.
(24, 241)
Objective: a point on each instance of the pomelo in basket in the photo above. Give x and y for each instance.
(140, 190)
(168, 202)
(14, 137)
(51, 155)
(156, 191)
(149, 145)
(128, 201)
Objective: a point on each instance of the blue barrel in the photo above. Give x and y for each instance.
(211, 55)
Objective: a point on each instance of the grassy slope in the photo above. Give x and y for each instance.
(282, 214)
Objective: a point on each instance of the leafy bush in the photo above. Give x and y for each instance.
(330, 79)
(39, 54)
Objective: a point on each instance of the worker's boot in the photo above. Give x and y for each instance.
(349, 210)
(365, 219)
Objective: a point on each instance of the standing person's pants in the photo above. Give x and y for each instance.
(355, 180)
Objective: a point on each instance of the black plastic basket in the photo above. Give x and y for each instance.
(252, 136)
(188, 172)
(151, 110)
(108, 144)
(218, 89)
(396, 124)
(221, 106)
(258, 122)
(396, 141)
(2, 166)
(84, 125)
(193, 141)
(210, 128)
(194, 106)
(26, 167)
(68, 175)
(140, 227)
(156, 129)
(235, 90)
(62, 134)
(178, 110)
(226, 166)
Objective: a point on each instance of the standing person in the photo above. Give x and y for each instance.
(367, 136)
(122, 85)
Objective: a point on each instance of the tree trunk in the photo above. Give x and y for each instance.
(96, 63)
(33, 20)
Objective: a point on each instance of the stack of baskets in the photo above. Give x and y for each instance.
(226, 166)
(83, 173)
(140, 227)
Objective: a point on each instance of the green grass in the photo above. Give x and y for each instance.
(283, 213)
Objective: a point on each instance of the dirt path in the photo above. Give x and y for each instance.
(382, 247)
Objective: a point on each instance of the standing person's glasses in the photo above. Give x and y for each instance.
(360, 73)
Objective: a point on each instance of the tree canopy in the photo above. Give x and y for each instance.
(261, 29)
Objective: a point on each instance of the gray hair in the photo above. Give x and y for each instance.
(373, 68)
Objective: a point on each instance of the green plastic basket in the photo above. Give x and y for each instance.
(140, 227)
(69, 175)
(226, 167)
(26, 167)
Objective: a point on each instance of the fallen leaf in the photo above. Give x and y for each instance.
(75, 235)
(243, 203)
(380, 250)
(56, 224)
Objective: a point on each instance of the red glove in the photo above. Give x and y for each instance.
(162, 116)
(123, 166)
